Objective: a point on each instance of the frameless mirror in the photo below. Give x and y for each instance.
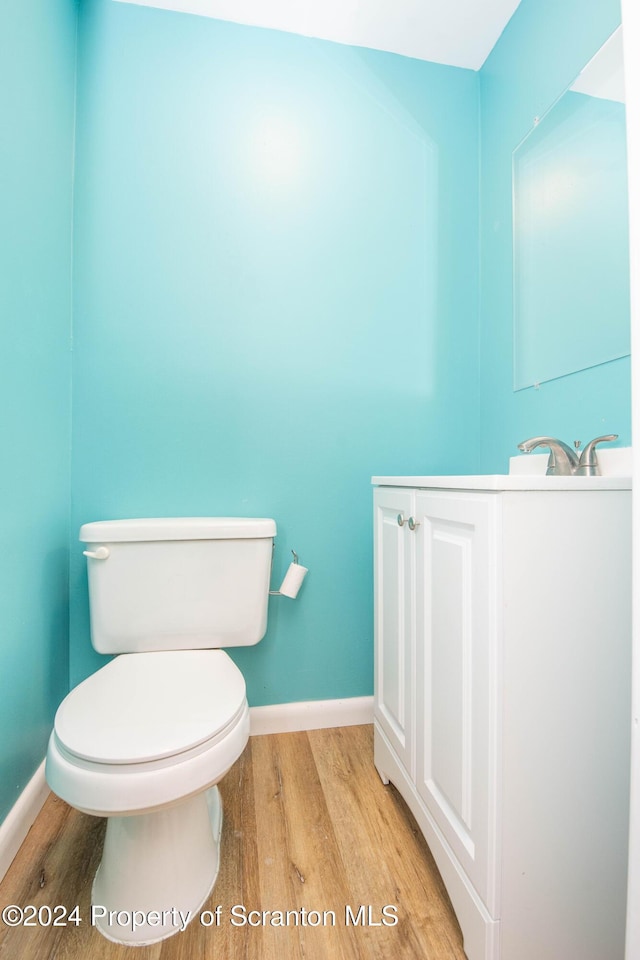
(570, 229)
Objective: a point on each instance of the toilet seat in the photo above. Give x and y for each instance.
(143, 707)
(148, 730)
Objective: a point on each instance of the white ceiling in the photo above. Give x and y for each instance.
(603, 76)
(457, 32)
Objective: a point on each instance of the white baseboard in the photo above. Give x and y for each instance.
(310, 715)
(18, 821)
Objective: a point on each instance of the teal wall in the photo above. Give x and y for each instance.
(37, 65)
(275, 298)
(541, 51)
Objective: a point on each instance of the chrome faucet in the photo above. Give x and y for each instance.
(588, 465)
(563, 461)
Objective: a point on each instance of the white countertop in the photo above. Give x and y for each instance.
(506, 481)
(527, 472)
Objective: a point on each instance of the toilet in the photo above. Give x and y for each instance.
(144, 741)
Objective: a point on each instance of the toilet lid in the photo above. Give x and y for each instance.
(146, 706)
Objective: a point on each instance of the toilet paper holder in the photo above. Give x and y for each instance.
(292, 579)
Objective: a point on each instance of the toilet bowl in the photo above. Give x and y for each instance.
(145, 740)
(142, 742)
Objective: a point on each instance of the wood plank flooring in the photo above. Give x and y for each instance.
(308, 826)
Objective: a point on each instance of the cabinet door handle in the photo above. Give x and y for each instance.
(411, 523)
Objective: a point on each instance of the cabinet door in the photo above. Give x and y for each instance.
(394, 620)
(456, 675)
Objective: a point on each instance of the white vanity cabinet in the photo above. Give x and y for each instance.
(395, 623)
(502, 700)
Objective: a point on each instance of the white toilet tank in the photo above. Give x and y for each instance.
(178, 584)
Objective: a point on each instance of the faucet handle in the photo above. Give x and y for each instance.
(588, 465)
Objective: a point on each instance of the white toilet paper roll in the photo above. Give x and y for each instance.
(293, 580)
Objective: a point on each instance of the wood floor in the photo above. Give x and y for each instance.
(308, 826)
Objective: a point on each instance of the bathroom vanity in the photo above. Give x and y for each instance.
(502, 699)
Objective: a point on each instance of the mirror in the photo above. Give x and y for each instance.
(570, 229)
